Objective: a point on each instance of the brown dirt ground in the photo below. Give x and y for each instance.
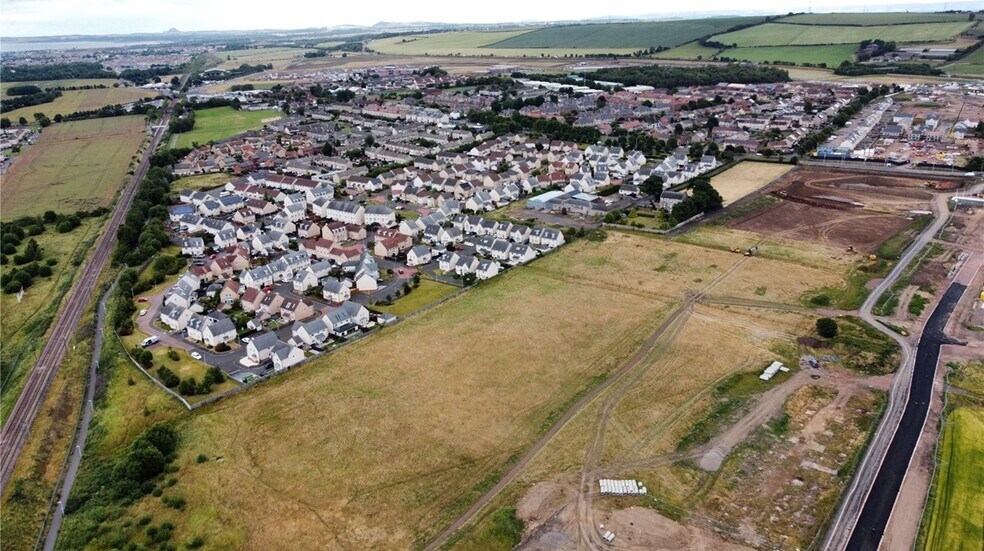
(839, 208)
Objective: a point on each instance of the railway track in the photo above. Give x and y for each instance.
(18, 427)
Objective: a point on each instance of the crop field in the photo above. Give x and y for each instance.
(972, 65)
(72, 101)
(474, 43)
(690, 50)
(623, 35)
(831, 54)
(68, 82)
(839, 208)
(777, 34)
(73, 166)
(956, 519)
(278, 57)
(871, 19)
(746, 178)
(219, 123)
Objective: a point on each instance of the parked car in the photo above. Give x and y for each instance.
(143, 312)
(196, 355)
(142, 299)
(246, 340)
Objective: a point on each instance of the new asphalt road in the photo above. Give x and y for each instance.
(878, 506)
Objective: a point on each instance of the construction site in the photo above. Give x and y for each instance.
(845, 209)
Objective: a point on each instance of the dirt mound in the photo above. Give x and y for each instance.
(812, 342)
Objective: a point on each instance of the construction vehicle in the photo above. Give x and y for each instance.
(736, 249)
(782, 193)
(872, 257)
(851, 249)
(752, 250)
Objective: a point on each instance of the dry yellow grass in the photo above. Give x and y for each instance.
(380, 445)
(388, 439)
(745, 178)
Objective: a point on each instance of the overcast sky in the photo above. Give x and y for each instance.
(60, 17)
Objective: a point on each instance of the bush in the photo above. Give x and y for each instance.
(820, 300)
(173, 354)
(44, 271)
(167, 377)
(201, 458)
(214, 376)
(827, 328)
(195, 543)
(174, 502)
(222, 347)
(188, 387)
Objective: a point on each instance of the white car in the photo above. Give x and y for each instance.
(246, 340)
(143, 312)
(196, 355)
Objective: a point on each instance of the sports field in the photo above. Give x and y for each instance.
(219, 123)
(831, 54)
(623, 35)
(956, 519)
(869, 19)
(745, 178)
(73, 166)
(777, 34)
(72, 101)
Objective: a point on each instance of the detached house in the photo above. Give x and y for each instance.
(222, 331)
(260, 348)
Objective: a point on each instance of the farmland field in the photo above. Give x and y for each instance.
(745, 178)
(472, 43)
(278, 57)
(73, 166)
(623, 35)
(690, 50)
(972, 65)
(956, 518)
(777, 34)
(68, 82)
(832, 55)
(870, 19)
(72, 101)
(219, 123)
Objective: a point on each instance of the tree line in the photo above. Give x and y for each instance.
(55, 71)
(549, 128)
(674, 77)
(143, 232)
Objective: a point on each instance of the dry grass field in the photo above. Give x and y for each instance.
(73, 166)
(201, 181)
(68, 82)
(392, 437)
(72, 101)
(745, 178)
(476, 43)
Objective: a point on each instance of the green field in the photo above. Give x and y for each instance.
(72, 101)
(73, 166)
(956, 519)
(428, 292)
(690, 50)
(623, 35)
(832, 54)
(777, 34)
(473, 43)
(871, 19)
(68, 82)
(972, 65)
(278, 57)
(201, 181)
(219, 123)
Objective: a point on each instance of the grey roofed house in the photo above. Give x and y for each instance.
(332, 285)
(192, 243)
(196, 323)
(378, 209)
(222, 326)
(420, 250)
(500, 246)
(265, 341)
(344, 206)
